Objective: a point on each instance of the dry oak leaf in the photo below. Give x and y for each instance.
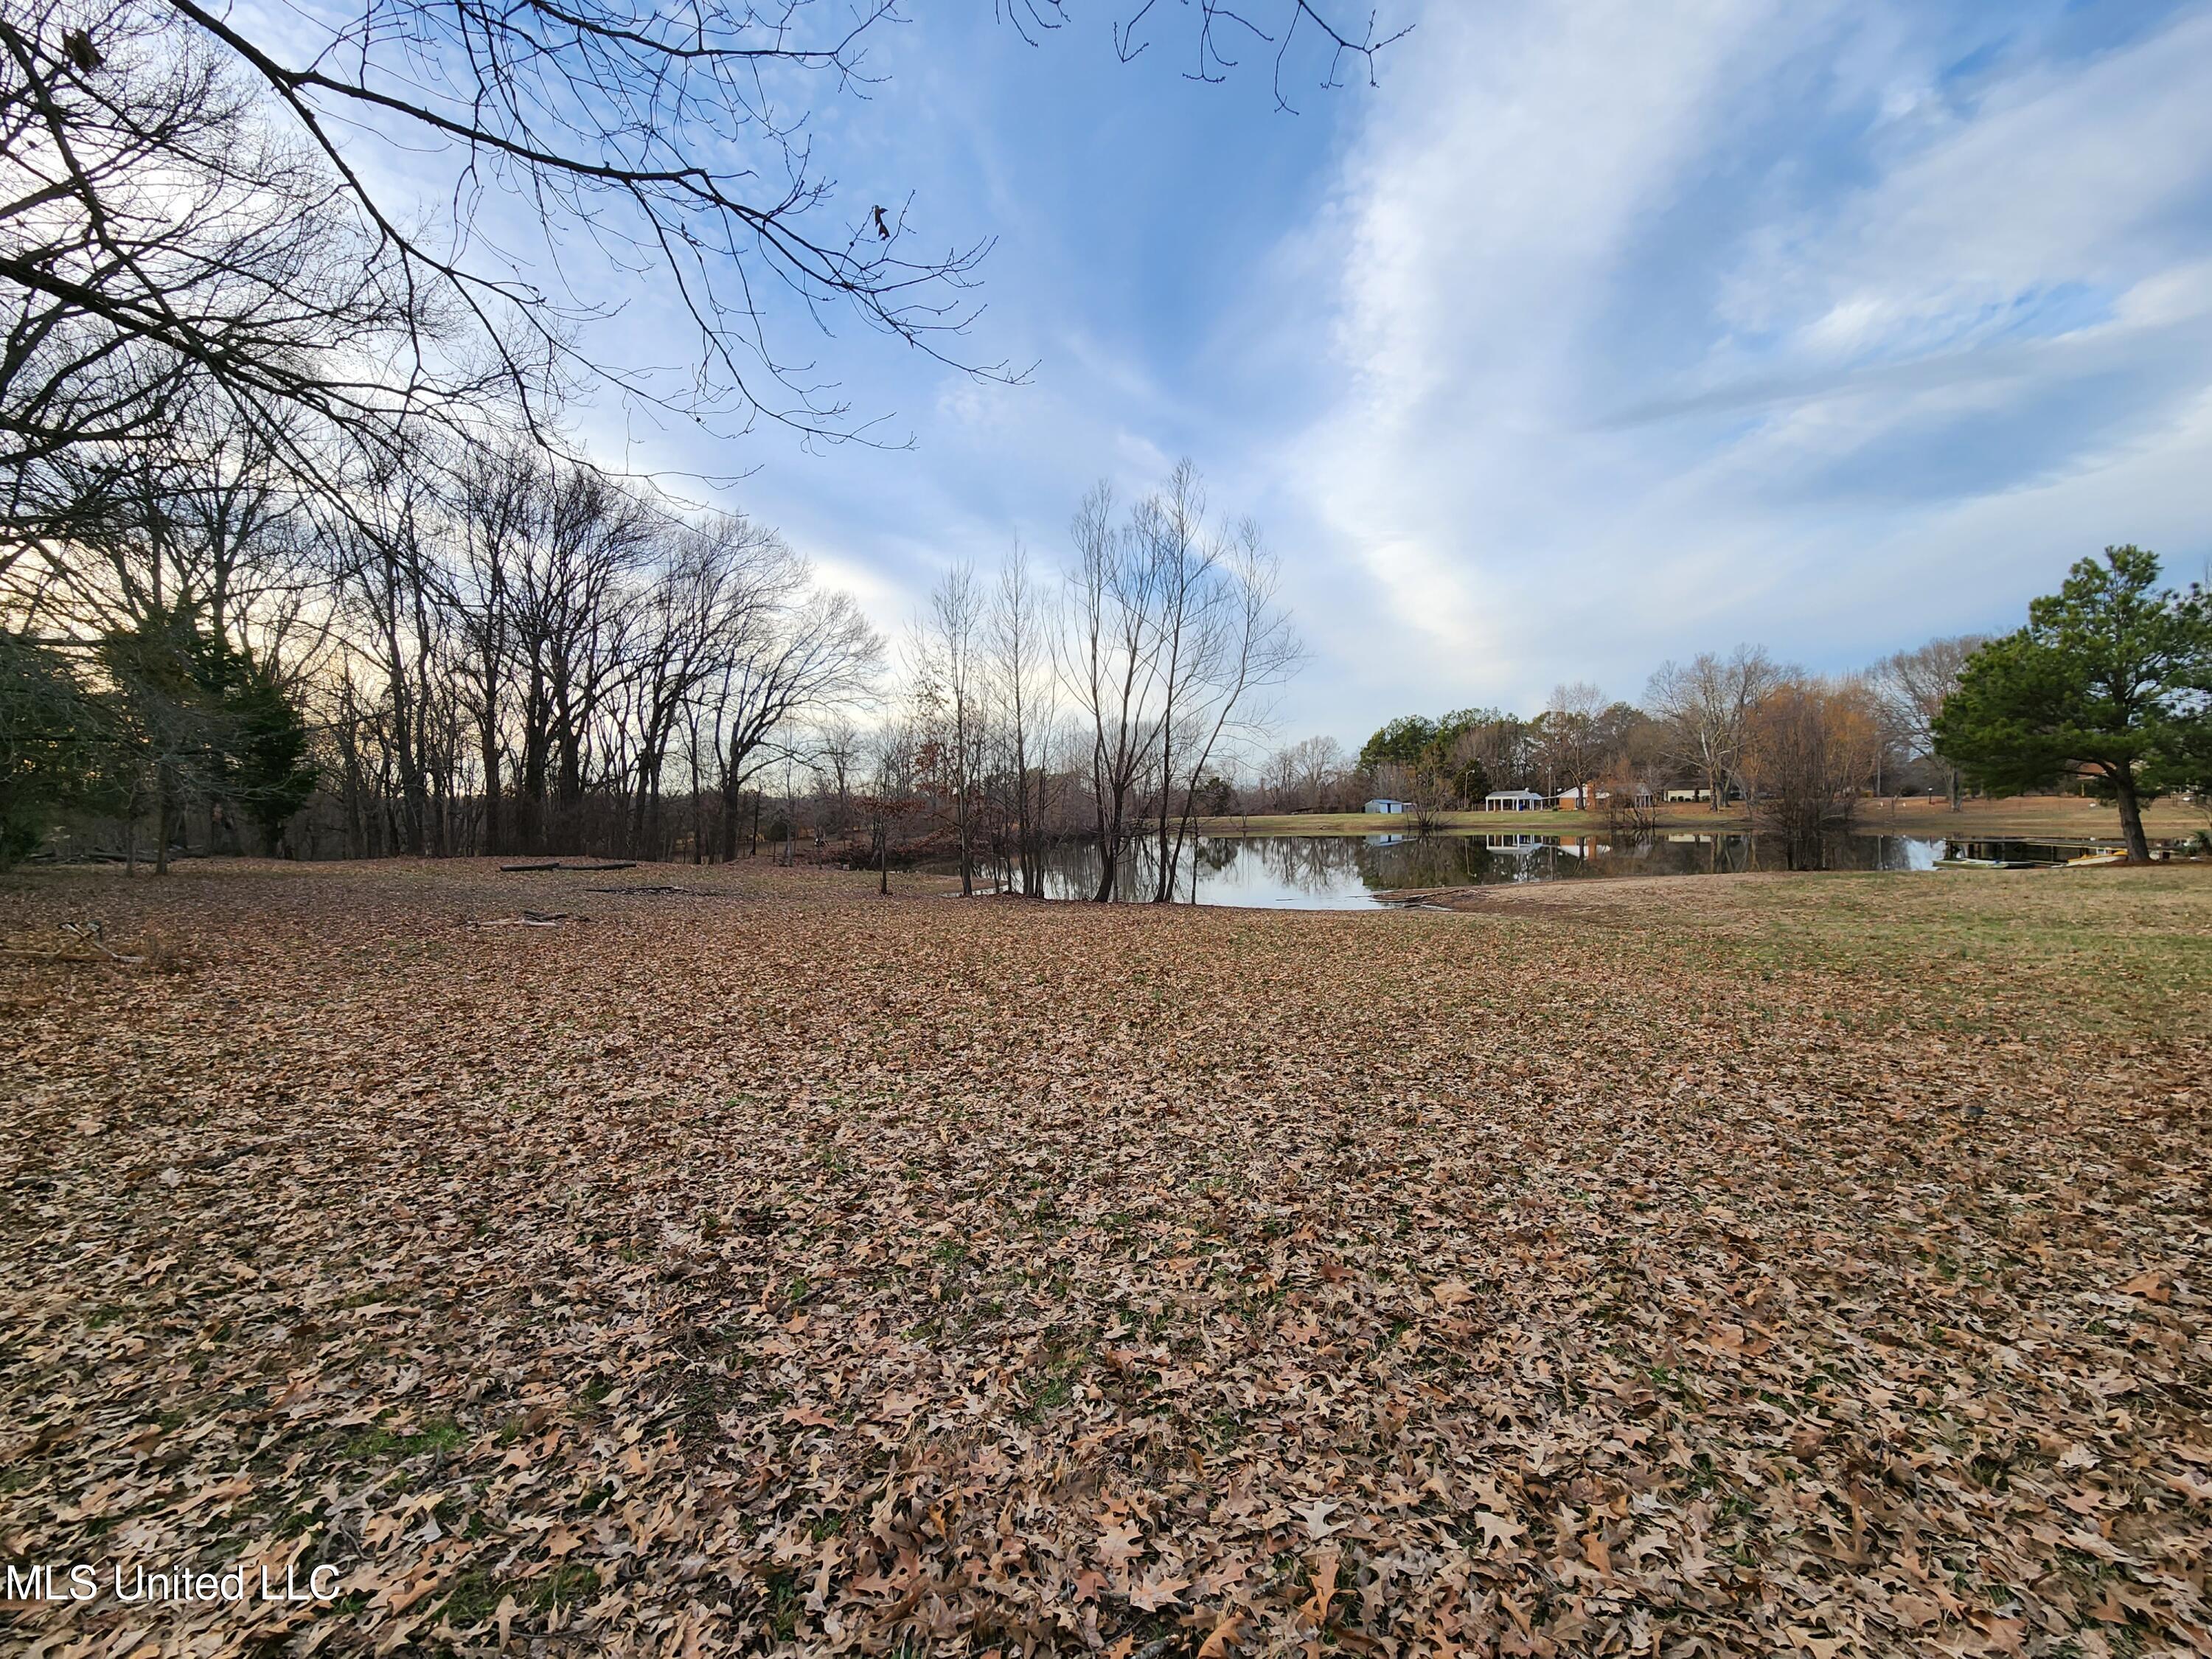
(1158, 1590)
(1315, 1518)
(2153, 1285)
(1324, 1581)
(1914, 1611)
(1119, 1543)
(1498, 1529)
(1451, 1293)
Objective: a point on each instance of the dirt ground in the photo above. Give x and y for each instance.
(672, 1261)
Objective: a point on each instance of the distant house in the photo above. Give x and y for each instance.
(1513, 801)
(1385, 804)
(1674, 795)
(1571, 800)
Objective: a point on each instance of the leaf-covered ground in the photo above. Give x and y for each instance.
(1765, 1265)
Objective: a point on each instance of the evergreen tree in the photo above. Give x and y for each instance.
(198, 718)
(50, 743)
(2108, 682)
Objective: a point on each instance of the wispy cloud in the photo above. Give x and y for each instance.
(1598, 334)
(1661, 327)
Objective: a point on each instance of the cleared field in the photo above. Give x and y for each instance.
(1779, 1264)
(2024, 815)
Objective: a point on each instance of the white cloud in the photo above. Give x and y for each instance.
(1632, 362)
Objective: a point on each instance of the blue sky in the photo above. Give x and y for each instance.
(1596, 334)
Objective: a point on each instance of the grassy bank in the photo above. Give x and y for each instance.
(1797, 1263)
(2026, 816)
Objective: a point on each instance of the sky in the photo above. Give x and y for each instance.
(1592, 336)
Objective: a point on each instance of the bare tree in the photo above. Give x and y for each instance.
(160, 242)
(1172, 635)
(1572, 739)
(677, 144)
(1708, 706)
(892, 797)
(1912, 686)
(697, 610)
(385, 564)
(807, 655)
(838, 756)
(1306, 774)
(1021, 666)
(1109, 663)
(1235, 643)
(946, 659)
(500, 506)
(1809, 751)
(572, 623)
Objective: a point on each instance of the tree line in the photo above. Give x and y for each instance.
(2107, 688)
(295, 544)
(510, 653)
(1719, 727)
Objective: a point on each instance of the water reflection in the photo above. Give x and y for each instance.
(1346, 872)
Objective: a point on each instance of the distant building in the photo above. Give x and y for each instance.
(1674, 795)
(1384, 804)
(1513, 801)
(1571, 800)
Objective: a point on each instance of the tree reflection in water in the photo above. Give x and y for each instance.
(1351, 872)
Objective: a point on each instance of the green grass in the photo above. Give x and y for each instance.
(381, 1445)
(2114, 952)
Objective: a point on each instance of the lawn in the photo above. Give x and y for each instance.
(1764, 1264)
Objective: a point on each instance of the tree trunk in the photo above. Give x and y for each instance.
(161, 819)
(1955, 789)
(1106, 850)
(2131, 825)
(698, 808)
(732, 798)
(490, 745)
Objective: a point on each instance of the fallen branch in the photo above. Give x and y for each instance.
(70, 955)
(583, 869)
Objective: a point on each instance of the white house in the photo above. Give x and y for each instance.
(1512, 800)
(1384, 804)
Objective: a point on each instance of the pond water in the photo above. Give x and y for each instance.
(1352, 872)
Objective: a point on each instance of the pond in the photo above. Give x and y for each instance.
(1354, 872)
